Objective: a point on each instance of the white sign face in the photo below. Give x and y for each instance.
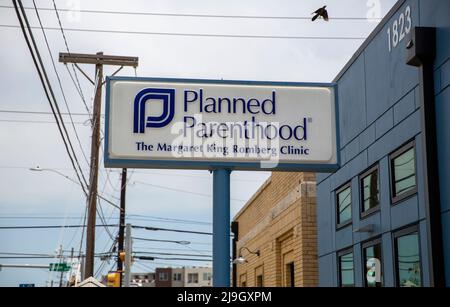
(168, 123)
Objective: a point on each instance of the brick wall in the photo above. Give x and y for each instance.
(280, 222)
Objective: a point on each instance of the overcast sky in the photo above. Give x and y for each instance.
(28, 140)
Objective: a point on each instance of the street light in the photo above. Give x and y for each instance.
(39, 169)
(241, 259)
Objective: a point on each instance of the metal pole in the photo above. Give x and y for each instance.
(93, 178)
(221, 228)
(121, 222)
(128, 251)
(235, 231)
(61, 260)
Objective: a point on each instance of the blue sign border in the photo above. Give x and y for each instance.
(212, 165)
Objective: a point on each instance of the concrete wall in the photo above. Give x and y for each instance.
(379, 111)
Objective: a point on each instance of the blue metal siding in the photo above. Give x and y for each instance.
(379, 97)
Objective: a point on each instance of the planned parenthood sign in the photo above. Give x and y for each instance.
(205, 124)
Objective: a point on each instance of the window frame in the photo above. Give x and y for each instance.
(208, 276)
(262, 280)
(163, 276)
(337, 192)
(177, 277)
(370, 243)
(339, 254)
(401, 233)
(193, 280)
(395, 199)
(363, 214)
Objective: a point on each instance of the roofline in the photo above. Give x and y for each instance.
(370, 38)
(252, 199)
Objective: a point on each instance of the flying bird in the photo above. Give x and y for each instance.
(322, 12)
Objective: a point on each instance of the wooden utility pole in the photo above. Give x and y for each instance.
(98, 60)
(120, 245)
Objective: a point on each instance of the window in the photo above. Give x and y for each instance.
(370, 191)
(344, 205)
(259, 281)
(193, 278)
(373, 265)
(259, 273)
(207, 276)
(243, 280)
(177, 276)
(407, 258)
(290, 275)
(163, 276)
(346, 269)
(403, 173)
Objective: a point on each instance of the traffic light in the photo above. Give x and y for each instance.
(122, 256)
(114, 279)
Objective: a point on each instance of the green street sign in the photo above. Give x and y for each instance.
(59, 267)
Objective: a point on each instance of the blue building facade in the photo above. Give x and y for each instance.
(373, 210)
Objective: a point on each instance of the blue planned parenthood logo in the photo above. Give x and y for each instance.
(167, 96)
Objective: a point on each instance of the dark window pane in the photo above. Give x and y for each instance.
(408, 261)
(373, 266)
(346, 268)
(344, 205)
(259, 281)
(404, 172)
(370, 191)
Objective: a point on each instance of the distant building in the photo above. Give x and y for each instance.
(183, 277)
(178, 277)
(277, 234)
(143, 279)
(163, 277)
(197, 277)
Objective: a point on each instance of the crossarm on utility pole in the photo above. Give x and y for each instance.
(98, 59)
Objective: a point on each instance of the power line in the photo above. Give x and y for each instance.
(170, 249)
(36, 122)
(170, 254)
(41, 112)
(176, 259)
(198, 15)
(171, 241)
(158, 240)
(31, 43)
(129, 217)
(75, 81)
(62, 89)
(196, 34)
(172, 230)
(51, 227)
(150, 173)
(182, 191)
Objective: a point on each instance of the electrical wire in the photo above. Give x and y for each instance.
(75, 80)
(199, 15)
(61, 88)
(210, 35)
(31, 43)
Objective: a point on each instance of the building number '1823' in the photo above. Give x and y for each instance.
(399, 28)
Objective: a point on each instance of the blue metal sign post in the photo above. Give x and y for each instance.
(221, 228)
